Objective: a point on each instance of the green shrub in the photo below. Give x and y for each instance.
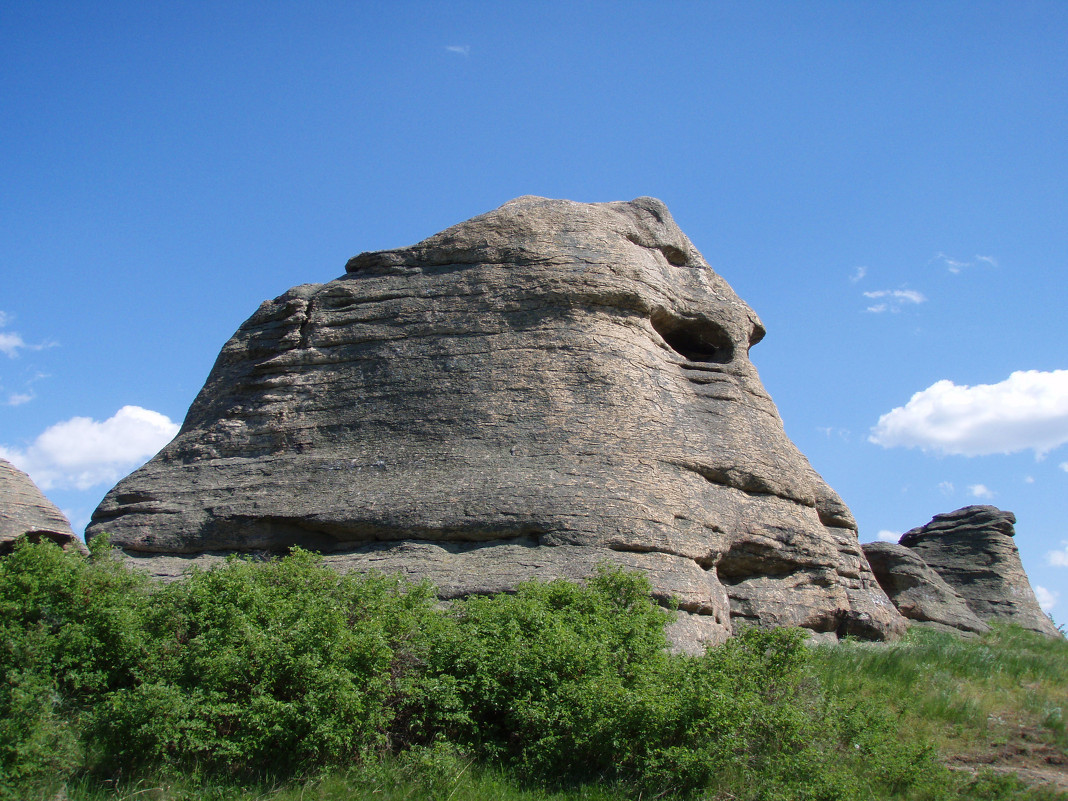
(279, 666)
(69, 633)
(569, 684)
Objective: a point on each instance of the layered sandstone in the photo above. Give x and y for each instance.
(536, 391)
(26, 512)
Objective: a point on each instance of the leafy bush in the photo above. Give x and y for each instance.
(278, 666)
(69, 633)
(574, 684)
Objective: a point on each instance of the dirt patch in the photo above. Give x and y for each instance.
(1034, 762)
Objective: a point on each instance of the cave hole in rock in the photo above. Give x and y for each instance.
(697, 340)
(674, 255)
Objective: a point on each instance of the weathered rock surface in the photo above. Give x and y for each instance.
(917, 591)
(538, 390)
(25, 511)
(973, 550)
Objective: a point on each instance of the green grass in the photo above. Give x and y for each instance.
(962, 693)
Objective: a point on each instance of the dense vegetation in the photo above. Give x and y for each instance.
(283, 679)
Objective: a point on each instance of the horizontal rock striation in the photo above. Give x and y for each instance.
(26, 512)
(973, 550)
(541, 389)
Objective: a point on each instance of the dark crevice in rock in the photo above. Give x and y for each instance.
(255, 534)
(696, 340)
(748, 560)
(637, 548)
(836, 518)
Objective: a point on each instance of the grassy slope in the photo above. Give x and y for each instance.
(998, 701)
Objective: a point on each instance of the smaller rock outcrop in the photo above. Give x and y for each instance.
(917, 591)
(25, 511)
(973, 553)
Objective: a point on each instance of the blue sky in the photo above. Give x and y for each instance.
(885, 183)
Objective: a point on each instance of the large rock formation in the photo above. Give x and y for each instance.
(26, 512)
(918, 592)
(973, 550)
(536, 391)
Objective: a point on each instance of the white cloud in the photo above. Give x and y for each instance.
(10, 343)
(19, 398)
(887, 536)
(987, 259)
(858, 274)
(1029, 479)
(980, 491)
(1047, 599)
(946, 487)
(83, 453)
(462, 50)
(1028, 410)
(1064, 466)
(1058, 558)
(893, 299)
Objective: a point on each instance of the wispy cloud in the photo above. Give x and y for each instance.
(82, 452)
(19, 398)
(1047, 599)
(893, 300)
(946, 487)
(460, 50)
(831, 431)
(858, 274)
(887, 536)
(1058, 558)
(11, 342)
(1026, 411)
(980, 491)
(955, 266)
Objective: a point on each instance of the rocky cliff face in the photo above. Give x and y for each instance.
(25, 511)
(541, 389)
